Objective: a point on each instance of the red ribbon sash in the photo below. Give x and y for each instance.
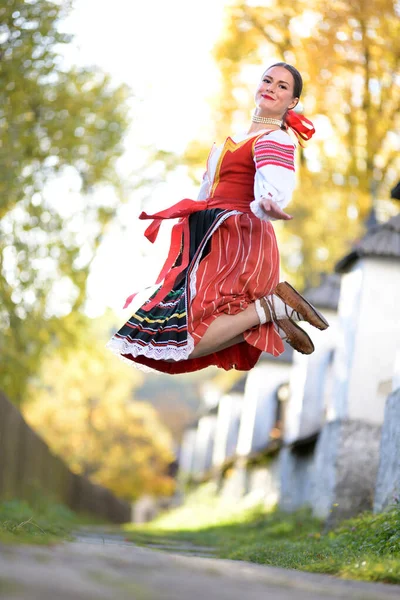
(181, 210)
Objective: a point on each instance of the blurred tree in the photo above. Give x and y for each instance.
(83, 406)
(61, 131)
(176, 400)
(348, 55)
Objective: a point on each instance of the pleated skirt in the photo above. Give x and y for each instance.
(234, 260)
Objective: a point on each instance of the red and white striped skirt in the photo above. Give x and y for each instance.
(234, 260)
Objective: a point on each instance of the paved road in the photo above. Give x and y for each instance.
(107, 567)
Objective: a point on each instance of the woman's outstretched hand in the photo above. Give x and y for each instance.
(273, 211)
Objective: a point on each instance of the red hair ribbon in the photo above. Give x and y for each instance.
(302, 127)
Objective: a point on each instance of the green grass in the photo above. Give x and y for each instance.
(366, 547)
(44, 523)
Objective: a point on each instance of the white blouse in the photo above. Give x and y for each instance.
(275, 175)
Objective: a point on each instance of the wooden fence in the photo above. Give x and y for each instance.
(29, 469)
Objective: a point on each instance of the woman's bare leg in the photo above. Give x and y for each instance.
(237, 340)
(224, 330)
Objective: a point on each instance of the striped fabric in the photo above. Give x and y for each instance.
(165, 326)
(233, 260)
(243, 265)
(270, 152)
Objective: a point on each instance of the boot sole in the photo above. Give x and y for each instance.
(292, 298)
(296, 336)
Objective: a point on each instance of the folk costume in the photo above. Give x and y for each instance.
(223, 256)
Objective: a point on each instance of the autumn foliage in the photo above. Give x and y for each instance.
(61, 132)
(84, 407)
(348, 54)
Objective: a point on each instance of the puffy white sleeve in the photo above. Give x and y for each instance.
(208, 177)
(205, 186)
(275, 171)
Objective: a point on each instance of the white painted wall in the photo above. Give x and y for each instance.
(396, 371)
(259, 408)
(204, 444)
(294, 405)
(309, 385)
(227, 428)
(349, 302)
(186, 453)
(369, 322)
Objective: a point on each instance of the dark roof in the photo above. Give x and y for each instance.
(380, 241)
(395, 192)
(326, 294)
(238, 388)
(372, 220)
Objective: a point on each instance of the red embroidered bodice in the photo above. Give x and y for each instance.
(234, 176)
(232, 190)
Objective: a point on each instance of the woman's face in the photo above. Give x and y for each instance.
(275, 93)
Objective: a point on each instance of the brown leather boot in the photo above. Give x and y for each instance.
(298, 308)
(294, 335)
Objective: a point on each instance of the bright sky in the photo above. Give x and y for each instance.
(162, 50)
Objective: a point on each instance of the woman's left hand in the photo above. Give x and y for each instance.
(273, 211)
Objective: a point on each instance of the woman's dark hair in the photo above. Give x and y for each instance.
(298, 80)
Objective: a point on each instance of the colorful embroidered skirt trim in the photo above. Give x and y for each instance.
(162, 333)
